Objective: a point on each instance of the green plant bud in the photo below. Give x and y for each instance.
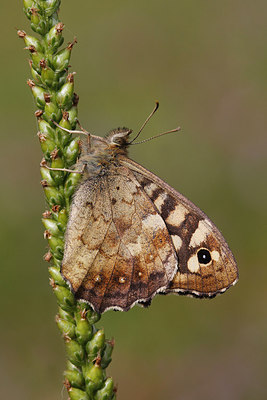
(77, 394)
(51, 111)
(72, 151)
(75, 377)
(65, 94)
(63, 137)
(48, 76)
(68, 317)
(45, 174)
(72, 367)
(61, 59)
(53, 38)
(56, 276)
(46, 129)
(93, 376)
(96, 345)
(51, 6)
(75, 352)
(57, 261)
(62, 219)
(53, 20)
(56, 246)
(71, 184)
(38, 93)
(47, 146)
(27, 7)
(65, 298)
(36, 58)
(65, 327)
(53, 196)
(51, 226)
(83, 329)
(64, 123)
(36, 76)
(73, 114)
(48, 7)
(106, 355)
(31, 41)
(60, 79)
(106, 393)
(58, 176)
(38, 23)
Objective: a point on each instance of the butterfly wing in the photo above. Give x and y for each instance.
(206, 265)
(118, 250)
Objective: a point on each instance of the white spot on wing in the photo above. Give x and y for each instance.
(177, 216)
(177, 242)
(215, 255)
(160, 200)
(153, 221)
(200, 234)
(193, 264)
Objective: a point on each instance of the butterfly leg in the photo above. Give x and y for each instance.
(43, 164)
(81, 132)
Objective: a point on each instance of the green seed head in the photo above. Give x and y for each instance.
(46, 129)
(75, 352)
(106, 356)
(107, 392)
(65, 298)
(66, 328)
(53, 39)
(84, 330)
(48, 75)
(78, 394)
(96, 345)
(65, 94)
(75, 377)
(62, 58)
(31, 41)
(57, 278)
(51, 226)
(94, 377)
(38, 93)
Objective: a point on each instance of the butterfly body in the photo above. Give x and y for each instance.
(130, 235)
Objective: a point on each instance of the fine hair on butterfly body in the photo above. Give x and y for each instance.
(130, 235)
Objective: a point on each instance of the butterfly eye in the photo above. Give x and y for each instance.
(204, 256)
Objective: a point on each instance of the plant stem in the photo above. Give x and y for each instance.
(52, 86)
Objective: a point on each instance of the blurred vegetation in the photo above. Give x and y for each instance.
(206, 64)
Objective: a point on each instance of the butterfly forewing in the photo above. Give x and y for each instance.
(118, 241)
(206, 265)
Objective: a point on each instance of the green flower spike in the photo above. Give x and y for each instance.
(52, 85)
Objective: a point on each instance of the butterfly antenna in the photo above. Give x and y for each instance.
(146, 121)
(161, 134)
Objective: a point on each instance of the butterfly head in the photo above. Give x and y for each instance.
(119, 137)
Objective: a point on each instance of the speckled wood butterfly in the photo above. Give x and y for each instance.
(130, 235)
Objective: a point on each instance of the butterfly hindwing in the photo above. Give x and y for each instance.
(206, 265)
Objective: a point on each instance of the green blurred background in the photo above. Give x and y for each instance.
(205, 61)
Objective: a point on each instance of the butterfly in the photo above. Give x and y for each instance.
(130, 235)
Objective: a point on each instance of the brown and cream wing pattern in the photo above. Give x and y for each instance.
(118, 250)
(206, 265)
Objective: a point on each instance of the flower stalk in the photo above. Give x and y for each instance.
(52, 86)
